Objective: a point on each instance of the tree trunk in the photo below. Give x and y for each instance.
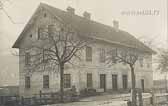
(166, 82)
(133, 86)
(62, 82)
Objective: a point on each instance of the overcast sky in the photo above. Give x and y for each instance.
(104, 11)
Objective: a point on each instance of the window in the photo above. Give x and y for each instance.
(125, 81)
(89, 80)
(102, 55)
(114, 55)
(141, 62)
(67, 80)
(88, 54)
(27, 58)
(44, 57)
(46, 81)
(39, 33)
(45, 15)
(30, 35)
(148, 65)
(50, 29)
(27, 82)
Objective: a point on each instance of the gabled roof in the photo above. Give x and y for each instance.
(86, 27)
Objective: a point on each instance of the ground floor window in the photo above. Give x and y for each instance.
(114, 82)
(67, 80)
(89, 80)
(46, 81)
(125, 81)
(27, 82)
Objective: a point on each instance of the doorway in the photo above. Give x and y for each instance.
(114, 82)
(142, 84)
(103, 81)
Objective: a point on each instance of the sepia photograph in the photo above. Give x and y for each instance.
(84, 53)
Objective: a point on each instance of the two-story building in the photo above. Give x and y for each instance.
(93, 71)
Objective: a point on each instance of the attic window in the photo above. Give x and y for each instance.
(45, 15)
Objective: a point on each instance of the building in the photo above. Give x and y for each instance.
(9, 91)
(93, 73)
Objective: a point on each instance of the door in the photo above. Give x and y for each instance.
(103, 81)
(89, 80)
(125, 81)
(142, 85)
(114, 82)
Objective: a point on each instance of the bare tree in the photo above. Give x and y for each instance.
(57, 46)
(128, 56)
(162, 60)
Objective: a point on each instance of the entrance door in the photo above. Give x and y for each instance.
(114, 82)
(103, 81)
(125, 81)
(142, 84)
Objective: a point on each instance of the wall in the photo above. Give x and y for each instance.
(78, 73)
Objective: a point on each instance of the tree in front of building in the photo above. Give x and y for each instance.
(127, 56)
(162, 60)
(56, 47)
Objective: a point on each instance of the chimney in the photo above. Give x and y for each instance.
(70, 10)
(116, 25)
(86, 15)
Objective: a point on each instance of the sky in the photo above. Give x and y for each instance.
(145, 27)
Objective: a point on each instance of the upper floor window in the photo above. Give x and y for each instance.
(27, 58)
(67, 80)
(114, 55)
(148, 65)
(141, 62)
(39, 31)
(27, 82)
(46, 81)
(88, 53)
(44, 56)
(31, 35)
(102, 55)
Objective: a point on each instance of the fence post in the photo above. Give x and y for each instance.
(22, 101)
(140, 97)
(40, 96)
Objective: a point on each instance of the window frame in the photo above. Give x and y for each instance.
(27, 58)
(102, 55)
(141, 62)
(67, 80)
(125, 85)
(89, 80)
(27, 82)
(89, 54)
(46, 81)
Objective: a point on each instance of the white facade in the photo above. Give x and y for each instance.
(79, 72)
